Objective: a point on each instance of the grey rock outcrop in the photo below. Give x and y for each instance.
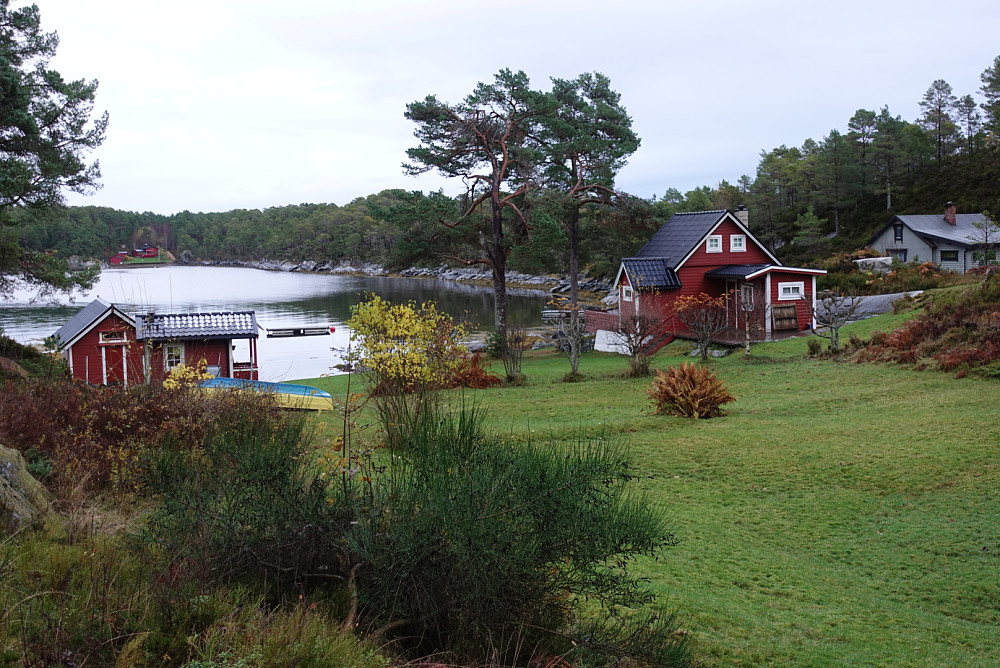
(22, 498)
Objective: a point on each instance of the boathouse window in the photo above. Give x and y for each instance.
(714, 244)
(626, 294)
(173, 355)
(112, 337)
(738, 243)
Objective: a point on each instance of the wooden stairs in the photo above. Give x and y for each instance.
(657, 341)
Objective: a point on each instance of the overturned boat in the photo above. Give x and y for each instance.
(287, 395)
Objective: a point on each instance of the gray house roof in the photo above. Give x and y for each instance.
(85, 318)
(652, 272)
(177, 326)
(934, 230)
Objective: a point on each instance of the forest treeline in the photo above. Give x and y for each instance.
(826, 195)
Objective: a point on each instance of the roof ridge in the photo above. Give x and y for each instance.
(695, 213)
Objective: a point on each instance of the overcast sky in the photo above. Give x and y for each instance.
(224, 104)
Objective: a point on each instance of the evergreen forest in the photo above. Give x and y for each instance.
(826, 195)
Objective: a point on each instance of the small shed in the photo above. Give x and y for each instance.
(170, 339)
(109, 344)
(99, 345)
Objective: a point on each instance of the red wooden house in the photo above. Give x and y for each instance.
(106, 344)
(713, 252)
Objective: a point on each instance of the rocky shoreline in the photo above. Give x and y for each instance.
(595, 288)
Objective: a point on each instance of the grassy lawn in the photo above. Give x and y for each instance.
(837, 514)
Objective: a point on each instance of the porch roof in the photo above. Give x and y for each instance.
(177, 326)
(748, 272)
(741, 271)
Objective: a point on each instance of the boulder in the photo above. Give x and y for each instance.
(22, 498)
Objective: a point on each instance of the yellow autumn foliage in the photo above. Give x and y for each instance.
(183, 375)
(405, 345)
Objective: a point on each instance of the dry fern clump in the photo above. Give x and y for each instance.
(689, 390)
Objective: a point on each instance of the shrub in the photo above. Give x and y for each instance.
(959, 328)
(689, 390)
(183, 375)
(96, 436)
(476, 546)
(408, 351)
(470, 373)
(815, 347)
(246, 490)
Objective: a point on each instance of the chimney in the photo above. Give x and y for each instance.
(743, 215)
(949, 213)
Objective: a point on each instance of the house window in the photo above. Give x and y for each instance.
(738, 243)
(793, 290)
(746, 295)
(112, 337)
(897, 253)
(714, 244)
(173, 355)
(626, 294)
(897, 232)
(949, 256)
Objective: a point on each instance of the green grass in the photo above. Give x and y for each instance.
(837, 514)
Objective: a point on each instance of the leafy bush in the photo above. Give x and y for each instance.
(689, 390)
(470, 373)
(476, 546)
(408, 350)
(96, 436)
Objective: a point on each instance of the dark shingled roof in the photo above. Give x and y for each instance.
(173, 326)
(679, 235)
(735, 270)
(654, 272)
(84, 318)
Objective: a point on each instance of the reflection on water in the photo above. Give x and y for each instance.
(280, 299)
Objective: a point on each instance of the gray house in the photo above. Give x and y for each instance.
(949, 240)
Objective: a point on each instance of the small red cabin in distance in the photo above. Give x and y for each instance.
(714, 253)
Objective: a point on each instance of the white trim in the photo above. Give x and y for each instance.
(627, 293)
(767, 307)
(791, 270)
(732, 243)
(801, 285)
(812, 312)
(104, 366)
(743, 228)
(708, 243)
(618, 276)
(124, 366)
(98, 320)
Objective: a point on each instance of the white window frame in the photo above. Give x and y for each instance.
(626, 293)
(713, 244)
(746, 295)
(742, 247)
(167, 355)
(798, 286)
(113, 336)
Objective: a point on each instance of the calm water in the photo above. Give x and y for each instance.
(280, 299)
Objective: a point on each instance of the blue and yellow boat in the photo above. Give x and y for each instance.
(287, 395)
